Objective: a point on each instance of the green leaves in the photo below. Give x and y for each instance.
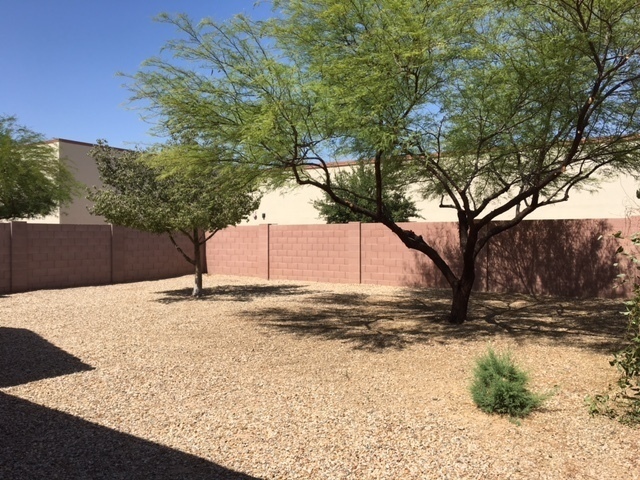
(358, 185)
(144, 193)
(623, 403)
(33, 182)
(494, 102)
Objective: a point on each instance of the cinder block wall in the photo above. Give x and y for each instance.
(241, 251)
(63, 256)
(139, 256)
(38, 256)
(572, 258)
(544, 257)
(321, 253)
(387, 261)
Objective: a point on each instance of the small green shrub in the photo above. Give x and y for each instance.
(499, 386)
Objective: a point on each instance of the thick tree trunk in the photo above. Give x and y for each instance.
(460, 302)
(463, 286)
(197, 288)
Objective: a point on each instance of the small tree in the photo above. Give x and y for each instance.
(142, 191)
(33, 182)
(359, 187)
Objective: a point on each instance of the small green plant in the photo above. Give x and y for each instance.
(499, 386)
(624, 402)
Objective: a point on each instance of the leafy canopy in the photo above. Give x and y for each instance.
(489, 106)
(33, 182)
(358, 186)
(139, 193)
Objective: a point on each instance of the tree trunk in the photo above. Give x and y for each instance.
(197, 288)
(460, 303)
(462, 291)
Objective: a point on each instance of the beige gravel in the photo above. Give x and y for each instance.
(293, 380)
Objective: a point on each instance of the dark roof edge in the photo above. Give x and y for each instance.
(84, 144)
(66, 140)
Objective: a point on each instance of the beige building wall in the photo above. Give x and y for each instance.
(83, 167)
(294, 205)
(86, 172)
(616, 198)
(288, 206)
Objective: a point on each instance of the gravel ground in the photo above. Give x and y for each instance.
(287, 380)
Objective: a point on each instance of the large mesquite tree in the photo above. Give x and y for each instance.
(496, 108)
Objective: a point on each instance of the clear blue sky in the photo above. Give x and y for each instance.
(59, 59)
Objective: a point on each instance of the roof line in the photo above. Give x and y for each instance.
(66, 140)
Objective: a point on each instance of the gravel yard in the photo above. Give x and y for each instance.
(293, 380)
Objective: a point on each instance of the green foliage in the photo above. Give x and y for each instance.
(624, 402)
(359, 186)
(495, 108)
(499, 386)
(141, 193)
(148, 191)
(33, 182)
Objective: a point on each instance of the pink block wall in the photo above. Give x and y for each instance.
(387, 261)
(319, 253)
(573, 258)
(547, 257)
(566, 258)
(67, 256)
(38, 256)
(54, 256)
(139, 256)
(239, 251)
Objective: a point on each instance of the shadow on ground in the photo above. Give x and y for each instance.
(40, 443)
(26, 357)
(233, 293)
(375, 322)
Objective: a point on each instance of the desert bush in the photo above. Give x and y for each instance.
(623, 400)
(499, 386)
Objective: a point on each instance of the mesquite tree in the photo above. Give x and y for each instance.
(496, 108)
(147, 192)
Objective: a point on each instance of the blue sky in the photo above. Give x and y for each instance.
(59, 61)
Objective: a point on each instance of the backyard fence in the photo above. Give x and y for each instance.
(573, 258)
(36, 256)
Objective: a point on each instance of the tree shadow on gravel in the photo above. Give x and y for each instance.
(26, 357)
(377, 323)
(231, 293)
(40, 443)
